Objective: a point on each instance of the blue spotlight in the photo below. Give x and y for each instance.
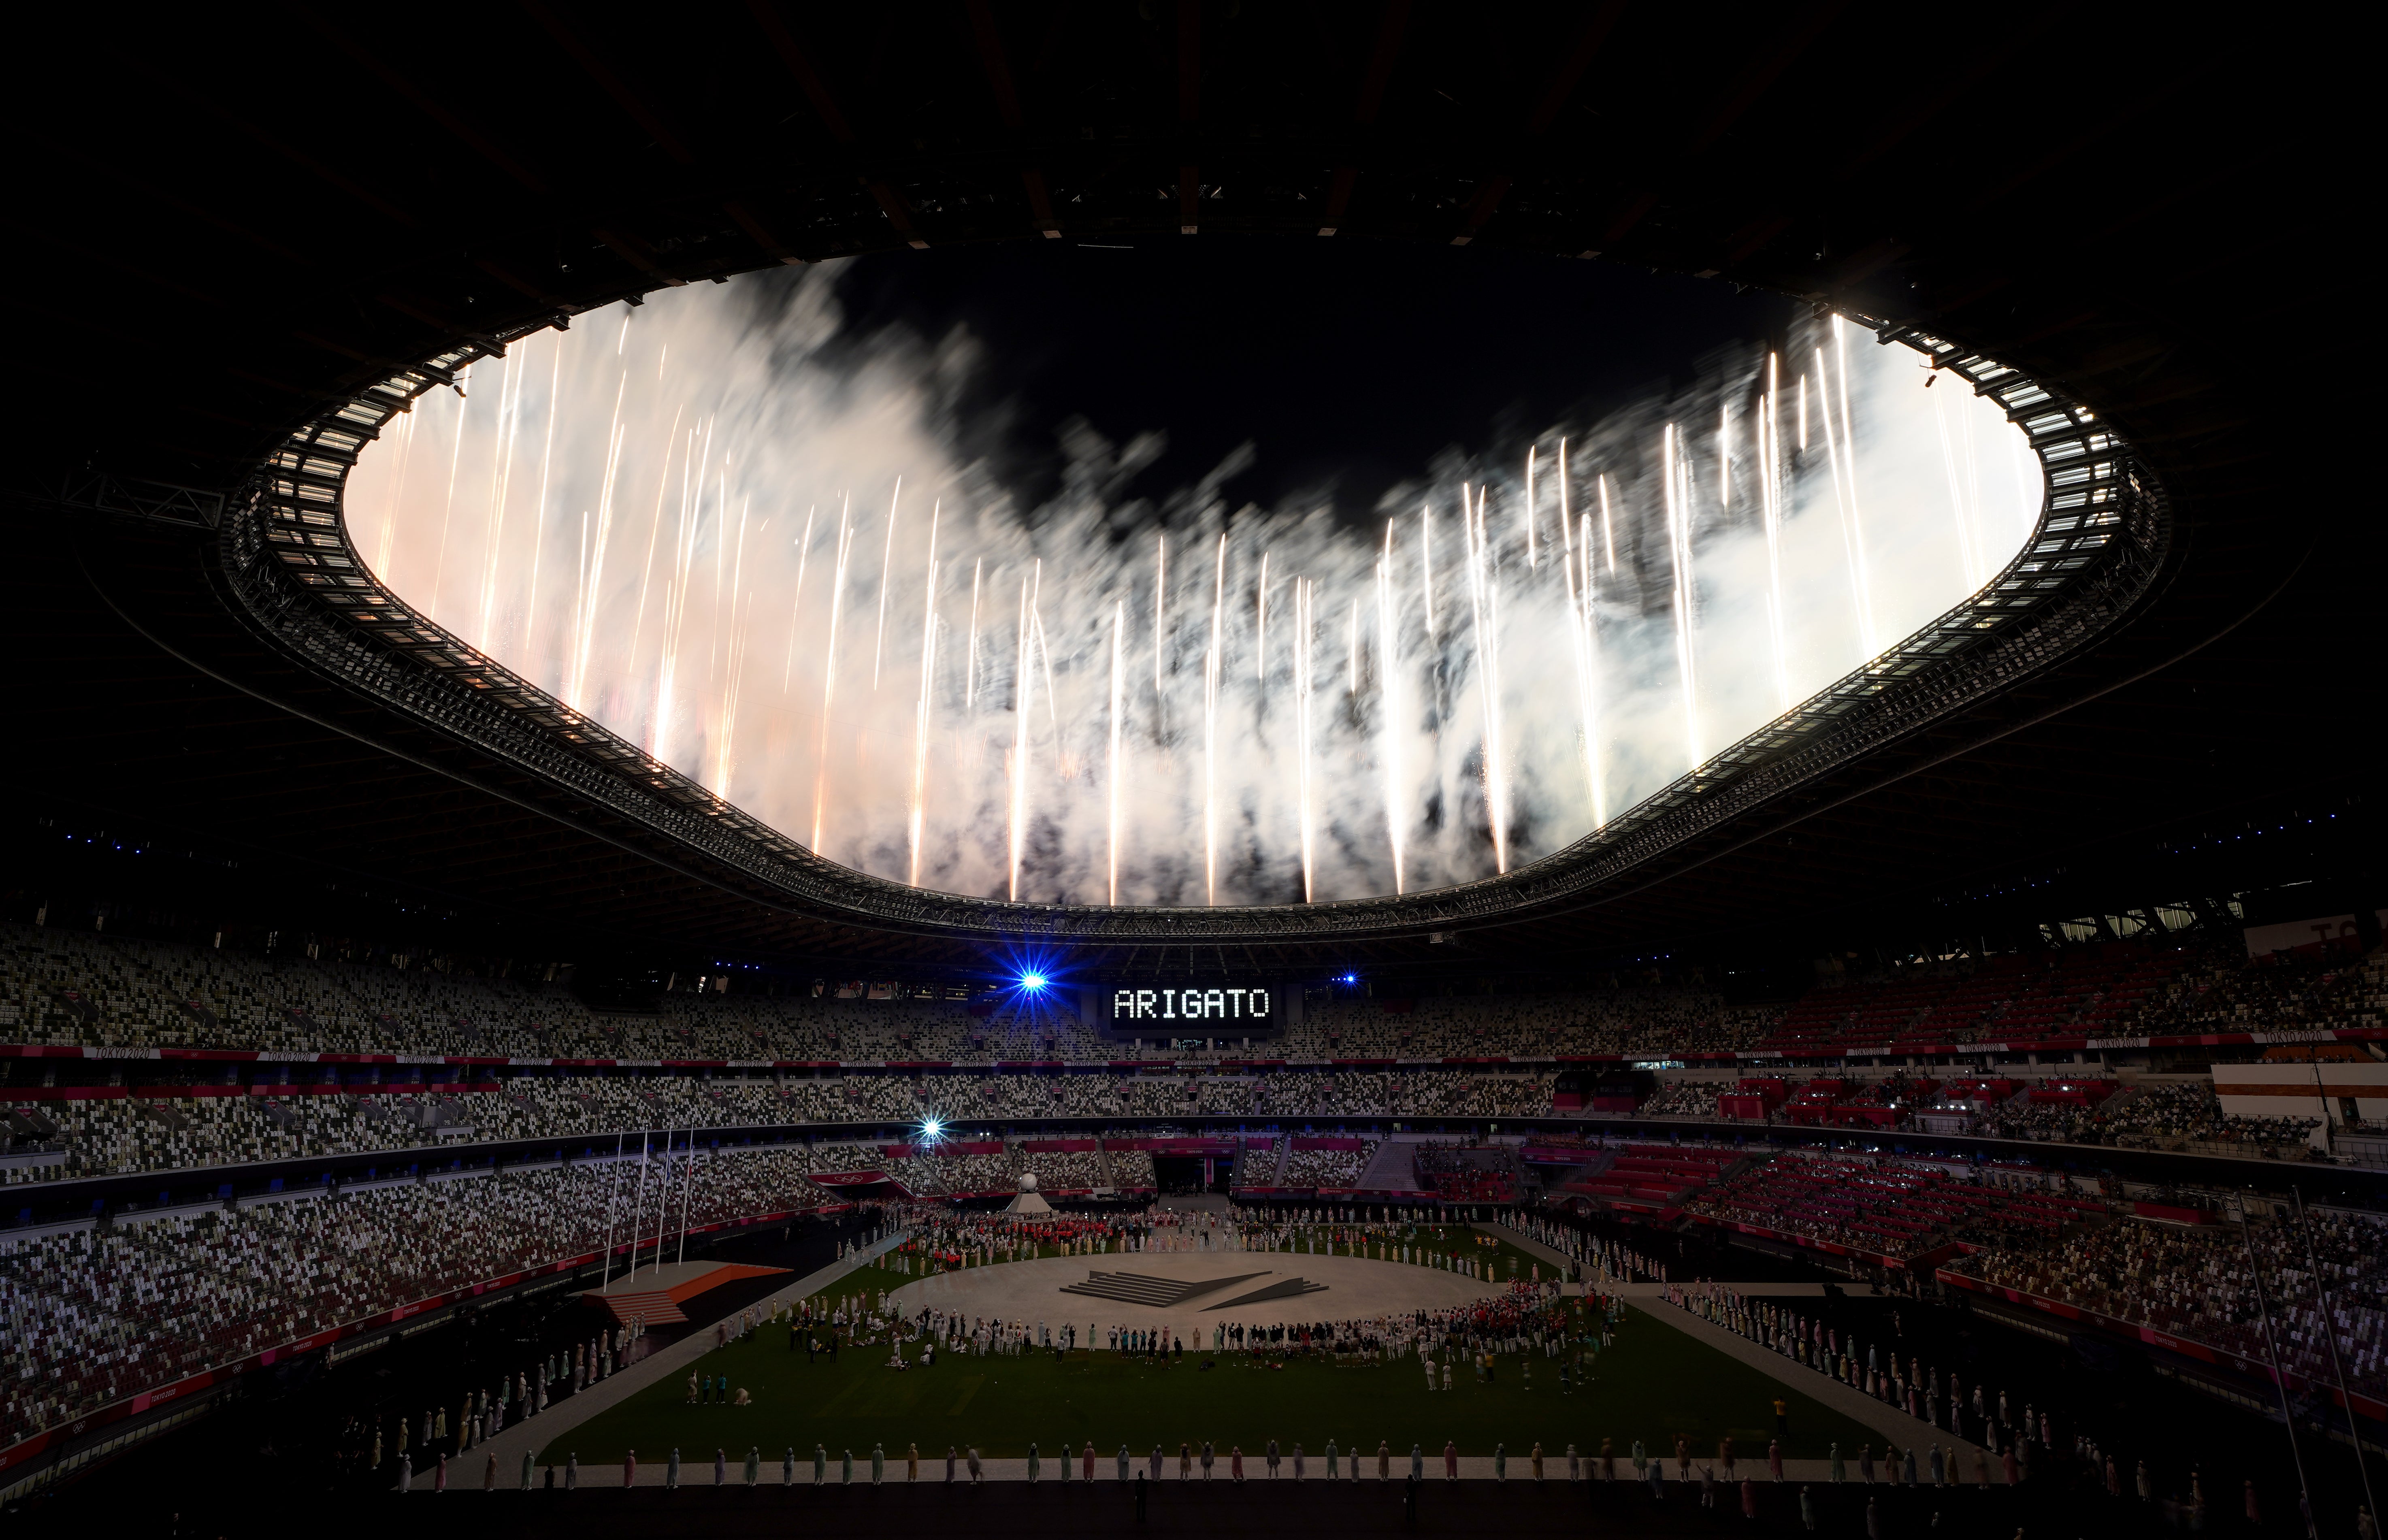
(1034, 977)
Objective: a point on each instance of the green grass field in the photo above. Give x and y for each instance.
(1653, 1384)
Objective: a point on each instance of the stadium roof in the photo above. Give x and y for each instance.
(229, 228)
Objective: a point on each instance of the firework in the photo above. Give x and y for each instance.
(1585, 670)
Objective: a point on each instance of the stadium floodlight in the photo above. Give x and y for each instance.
(932, 1127)
(1033, 978)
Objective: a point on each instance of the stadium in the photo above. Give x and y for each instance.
(978, 763)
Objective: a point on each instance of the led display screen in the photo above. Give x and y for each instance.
(1190, 1005)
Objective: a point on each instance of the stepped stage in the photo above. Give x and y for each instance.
(1284, 1288)
(656, 1294)
(1144, 1288)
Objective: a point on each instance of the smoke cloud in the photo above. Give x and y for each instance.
(760, 549)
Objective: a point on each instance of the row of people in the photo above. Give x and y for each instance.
(93, 1315)
(2224, 1286)
(122, 1134)
(127, 1133)
(2161, 1112)
(2224, 991)
(1336, 1167)
(1660, 1020)
(64, 986)
(1686, 1098)
(1878, 1205)
(2152, 984)
(1992, 1420)
(2013, 998)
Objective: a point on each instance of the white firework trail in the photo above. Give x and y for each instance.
(1607, 527)
(1304, 641)
(969, 678)
(539, 510)
(886, 581)
(1595, 748)
(1426, 565)
(1770, 509)
(1211, 661)
(1584, 641)
(1023, 690)
(1483, 599)
(1037, 636)
(654, 525)
(828, 672)
(1530, 562)
(920, 723)
(1960, 508)
(1679, 540)
(796, 598)
(1725, 460)
(720, 553)
(590, 585)
(1113, 781)
(447, 508)
(1857, 522)
(1259, 626)
(1159, 607)
(398, 497)
(1845, 510)
(1389, 715)
(725, 756)
(501, 474)
(1970, 457)
(676, 598)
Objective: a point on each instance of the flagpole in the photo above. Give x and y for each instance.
(613, 1187)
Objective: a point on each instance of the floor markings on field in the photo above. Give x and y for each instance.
(669, 1361)
(1854, 1405)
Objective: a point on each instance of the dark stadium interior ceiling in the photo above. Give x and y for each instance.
(222, 223)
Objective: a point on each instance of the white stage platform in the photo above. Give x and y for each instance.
(1357, 1289)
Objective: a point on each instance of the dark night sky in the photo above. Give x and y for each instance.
(1348, 363)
